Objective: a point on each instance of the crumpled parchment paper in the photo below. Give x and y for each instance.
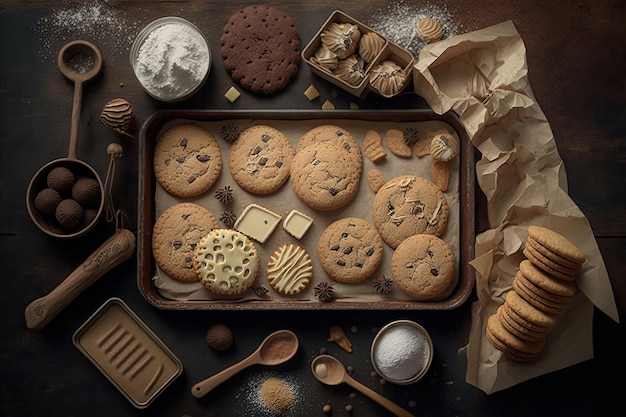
(483, 77)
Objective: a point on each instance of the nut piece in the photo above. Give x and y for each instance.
(429, 30)
(338, 336)
(370, 45)
(341, 38)
(444, 147)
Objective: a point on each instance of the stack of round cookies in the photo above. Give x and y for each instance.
(542, 288)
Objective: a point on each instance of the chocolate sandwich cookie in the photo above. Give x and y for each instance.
(260, 159)
(260, 48)
(323, 177)
(409, 205)
(350, 250)
(175, 236)
(187, 160)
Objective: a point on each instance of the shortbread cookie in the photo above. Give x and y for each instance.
(332, 134)
(547, 253)
(512, 346)
(527, 311)
(289, 269)
(323, 176)
(550, 284)
(517, 329)
(260, 48)
(523, 322)
(422, 147)
(543, 304)
(562, 273)
(175, 235)
(187, 160)
(423, 266)
(350, 250)
(372, 146)
(409, 205)
(260, 159)
(556, 243)
(375, 179)
(531, 252)
(226, 262)
(397, 145)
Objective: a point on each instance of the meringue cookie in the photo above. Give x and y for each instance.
(341, 38)
(429, 30)
(370, 45)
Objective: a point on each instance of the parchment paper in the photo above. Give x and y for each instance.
(284, 200)
(525, 182)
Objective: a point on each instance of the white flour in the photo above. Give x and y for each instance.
(172, 61)
(397, 23)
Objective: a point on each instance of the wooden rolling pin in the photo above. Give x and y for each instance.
(111, 253)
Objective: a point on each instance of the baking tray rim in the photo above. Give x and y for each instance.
(145, 202)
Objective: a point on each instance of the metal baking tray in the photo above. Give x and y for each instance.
(127, 352)
(146, 207)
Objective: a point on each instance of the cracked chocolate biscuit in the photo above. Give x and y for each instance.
(408, 205)
(423, 267)
(260, 159)
(350, 250)
(175, 235)
(323, 177)
(187, 160)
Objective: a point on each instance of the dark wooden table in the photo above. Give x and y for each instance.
(576, 61)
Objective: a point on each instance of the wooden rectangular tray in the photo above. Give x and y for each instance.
(146, 204)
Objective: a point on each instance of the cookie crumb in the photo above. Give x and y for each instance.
(232, 94)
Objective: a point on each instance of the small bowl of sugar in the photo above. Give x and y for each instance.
(171, 59)
(402, 352)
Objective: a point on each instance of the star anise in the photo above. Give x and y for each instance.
(224, 194)
(411, 135)
(324, 291)
(383, 284)
(230, 132)
(228, 217)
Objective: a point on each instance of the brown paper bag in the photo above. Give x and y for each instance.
(482, 76)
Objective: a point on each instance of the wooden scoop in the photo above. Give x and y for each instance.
(330, 371)
(277, 348)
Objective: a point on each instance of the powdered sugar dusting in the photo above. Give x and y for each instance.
(397, 23)
(92, 20)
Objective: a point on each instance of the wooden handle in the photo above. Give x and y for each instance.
(205, 386)
(114, 251)
(385, 402)
(75, 121)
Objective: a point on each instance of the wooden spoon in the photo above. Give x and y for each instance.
(277, 348)
(330, 371)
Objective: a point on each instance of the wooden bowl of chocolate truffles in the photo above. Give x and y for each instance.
(65, 199)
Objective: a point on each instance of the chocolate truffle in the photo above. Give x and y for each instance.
(47, 200)
(86, 191)
(69, 214)
(219, 337)
(61, 179)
